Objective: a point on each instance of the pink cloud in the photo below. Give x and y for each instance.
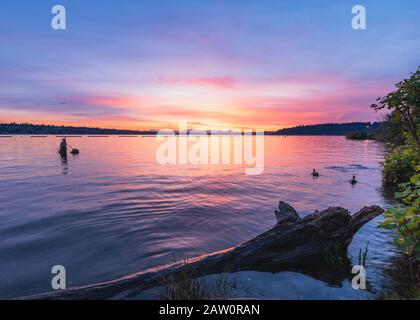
(248, 102)
(218, 82)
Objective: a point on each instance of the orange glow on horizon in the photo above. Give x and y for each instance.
(211, 103)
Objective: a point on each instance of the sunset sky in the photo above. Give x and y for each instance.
(232, 63)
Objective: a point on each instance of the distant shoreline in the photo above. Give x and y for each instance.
(273, 134)
(329, 129)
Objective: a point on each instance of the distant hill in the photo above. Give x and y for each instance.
(330, 129)
(27, 128)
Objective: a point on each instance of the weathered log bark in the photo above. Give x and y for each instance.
(293, 244)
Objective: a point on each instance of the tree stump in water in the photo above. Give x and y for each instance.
(308, 245)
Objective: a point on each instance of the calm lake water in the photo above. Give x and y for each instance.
(112, 210)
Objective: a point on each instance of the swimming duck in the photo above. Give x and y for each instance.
(315, 173)
(353, 181)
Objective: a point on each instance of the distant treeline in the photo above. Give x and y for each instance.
(27, 128)
(331, 129)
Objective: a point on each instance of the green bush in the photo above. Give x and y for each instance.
(406, 219)
(359, 135)
(400, 164)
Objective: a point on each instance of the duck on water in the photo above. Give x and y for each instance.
(315, 173)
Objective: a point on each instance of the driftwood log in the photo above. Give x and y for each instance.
(305, 245)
